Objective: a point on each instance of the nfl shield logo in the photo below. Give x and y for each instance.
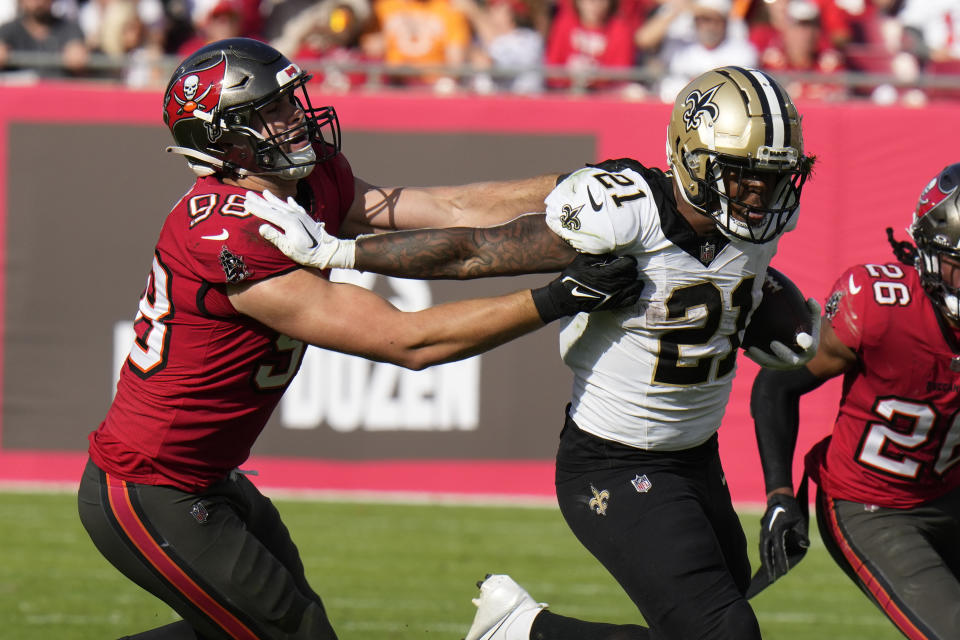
(708, 252)
(641, 483)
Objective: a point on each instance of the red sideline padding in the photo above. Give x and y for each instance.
(479, 480)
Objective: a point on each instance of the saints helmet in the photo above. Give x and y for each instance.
(739, 120)
(936, 231)
(212, 105)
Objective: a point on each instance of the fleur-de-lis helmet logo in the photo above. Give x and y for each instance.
(697, 104)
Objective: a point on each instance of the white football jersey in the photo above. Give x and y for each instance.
(656, 375)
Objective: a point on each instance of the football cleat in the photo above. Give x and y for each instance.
(505, 611)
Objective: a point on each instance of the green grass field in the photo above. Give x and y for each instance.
(386, 571)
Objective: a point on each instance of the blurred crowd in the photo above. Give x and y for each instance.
(639, 48)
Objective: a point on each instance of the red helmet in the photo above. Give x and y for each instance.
(214, 98)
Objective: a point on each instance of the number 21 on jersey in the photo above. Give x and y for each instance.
(709, 297)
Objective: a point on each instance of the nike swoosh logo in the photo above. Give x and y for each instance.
(854, 289)
(580, 290)
(777, 511)
(593, 203)
(223, 235)
(580, 293)
(309, 235)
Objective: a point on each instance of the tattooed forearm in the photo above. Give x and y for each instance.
(524, 245)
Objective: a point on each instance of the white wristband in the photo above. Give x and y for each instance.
(345, 256)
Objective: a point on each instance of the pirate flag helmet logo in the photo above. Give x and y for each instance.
(195, 91)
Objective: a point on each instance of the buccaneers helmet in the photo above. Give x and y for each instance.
(212, 106)
(936, 230)
(738, 120)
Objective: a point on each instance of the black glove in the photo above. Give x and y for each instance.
(783, 540)
(590, 283)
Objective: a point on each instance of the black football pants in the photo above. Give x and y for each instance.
(222, 559)
(907, 561)
(663, 524)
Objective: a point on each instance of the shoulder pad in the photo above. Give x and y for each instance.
(210, 231)
(863, 298)
(596, 211)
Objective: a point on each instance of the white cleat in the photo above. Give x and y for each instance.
(505, 611)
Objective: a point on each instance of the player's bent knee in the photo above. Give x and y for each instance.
(736, 621)
(739, 622)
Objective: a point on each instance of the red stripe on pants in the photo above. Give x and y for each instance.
(880, 594)
(137, 533)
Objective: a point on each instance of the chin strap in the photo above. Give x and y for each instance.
(211, 164)
(207, 159)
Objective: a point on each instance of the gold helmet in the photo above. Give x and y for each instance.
(738, 122)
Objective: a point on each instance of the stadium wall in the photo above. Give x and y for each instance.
(85, 186)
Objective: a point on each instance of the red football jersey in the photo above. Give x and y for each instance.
(896, 441)
(201, 379)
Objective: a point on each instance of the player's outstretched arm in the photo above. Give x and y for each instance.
(784, 536)
(523, 245)
(342, 317)
(480, 204)
(775, 407)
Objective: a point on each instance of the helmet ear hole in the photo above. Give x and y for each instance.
(265, 159)
(236, 150)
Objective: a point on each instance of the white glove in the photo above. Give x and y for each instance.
(785, 357)
(303, 239)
